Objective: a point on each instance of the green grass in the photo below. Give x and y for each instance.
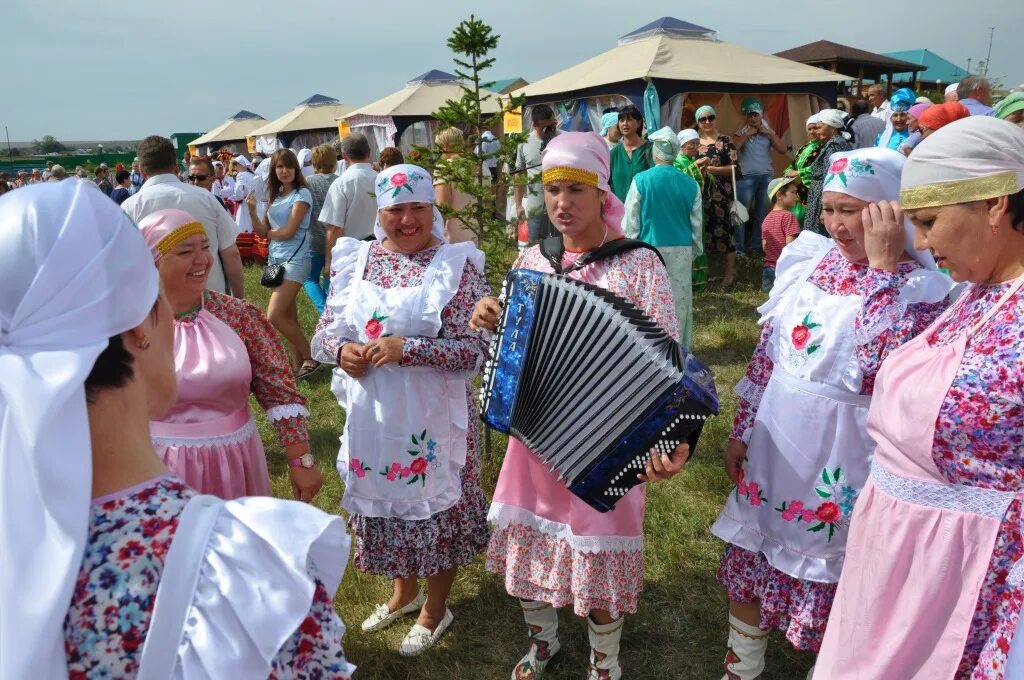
(680, 629)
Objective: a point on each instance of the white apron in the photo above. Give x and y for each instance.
(809, 452)
(404, 442)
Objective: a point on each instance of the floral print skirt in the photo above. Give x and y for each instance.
(797, 607)
(719, 234)
(398, 548)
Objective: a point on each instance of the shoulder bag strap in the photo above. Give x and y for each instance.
(177, 588)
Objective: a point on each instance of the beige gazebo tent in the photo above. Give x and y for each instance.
(311, 122)
(672, 67)
(406, 116)
(230, 134)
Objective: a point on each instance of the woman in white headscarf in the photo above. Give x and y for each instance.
(664, 209)
(834, 136)
(397, 326)
(931, 587)
(305, 157)
(799, 452)
(86, 361)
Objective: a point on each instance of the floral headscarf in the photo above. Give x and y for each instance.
(873, 174)
(407, 183)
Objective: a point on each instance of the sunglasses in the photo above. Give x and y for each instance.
(706, 119)
(198, 178)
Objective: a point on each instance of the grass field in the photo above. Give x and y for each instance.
(680, 629)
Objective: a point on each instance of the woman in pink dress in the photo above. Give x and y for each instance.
(224, 349)
(122, 571)
(553, 549)
(931, 588)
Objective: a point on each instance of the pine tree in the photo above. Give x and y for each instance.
(472, 41)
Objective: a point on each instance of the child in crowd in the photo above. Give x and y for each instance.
(780, 226)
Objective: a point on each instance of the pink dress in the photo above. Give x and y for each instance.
(209, 437)
(549, 545)
(932, 583)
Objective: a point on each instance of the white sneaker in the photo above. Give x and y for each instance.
(420, 639)
(382, 617)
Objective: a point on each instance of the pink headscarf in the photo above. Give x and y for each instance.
(917, 109)
(583, 156)
(165, 229)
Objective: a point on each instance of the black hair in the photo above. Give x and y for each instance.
(113, 367)
(610, 109)
(541, 112)
(631, 112)
(122, 176)
(860, 107)
(1016, 210)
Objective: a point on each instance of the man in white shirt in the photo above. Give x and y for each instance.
(530, 197)
(880, 102)
(162, 189)
(350, 208)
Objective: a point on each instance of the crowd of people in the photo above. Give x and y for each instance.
(875, 453)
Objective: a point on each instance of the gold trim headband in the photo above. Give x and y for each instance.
(178, 236)
(959, 191)
(564, 174)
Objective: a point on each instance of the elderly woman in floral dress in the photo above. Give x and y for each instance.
(397, 326)
(799, 451)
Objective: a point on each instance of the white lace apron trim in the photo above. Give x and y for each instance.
(242, 434)
(956, 497)
(502, 515)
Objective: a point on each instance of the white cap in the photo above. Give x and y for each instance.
(951, 88)
(687, 135)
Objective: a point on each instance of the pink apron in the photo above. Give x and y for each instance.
(209, 438)
(919, 547)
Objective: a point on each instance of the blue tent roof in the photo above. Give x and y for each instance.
(434, 75)
(671, 26)
(317, 99)
(938, 68)
(246, 115)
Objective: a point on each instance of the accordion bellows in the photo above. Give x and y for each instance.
(590, 384)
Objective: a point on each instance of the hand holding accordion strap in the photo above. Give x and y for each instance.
(553, 248)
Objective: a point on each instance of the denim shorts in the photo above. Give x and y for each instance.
(297, 270)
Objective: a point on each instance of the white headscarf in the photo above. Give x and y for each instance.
(873, 174)
(687, 135)
(971, 159)
(666, 145)
(76, 272)
(406, 183)
(243, 161)
(305, 158)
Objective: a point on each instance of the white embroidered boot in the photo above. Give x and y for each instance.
(747, 646)
(542, 621)
(604, 649)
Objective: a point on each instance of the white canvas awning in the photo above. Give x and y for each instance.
(300, 125)
(676, 50)
(235, 128)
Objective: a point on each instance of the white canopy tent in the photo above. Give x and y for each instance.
(406, 116)
(673, 67)
(311, 122)
(230, 134)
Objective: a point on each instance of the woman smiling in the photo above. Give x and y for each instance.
(397, 326)
(224, 349)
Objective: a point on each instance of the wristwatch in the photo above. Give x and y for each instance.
(304, 461)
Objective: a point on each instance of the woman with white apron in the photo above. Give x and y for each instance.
(397, 325)
(799, 453)
(931, 589)
(122, 571)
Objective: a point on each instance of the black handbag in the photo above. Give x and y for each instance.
(273, 274)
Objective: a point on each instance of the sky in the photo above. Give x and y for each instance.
(82, 70)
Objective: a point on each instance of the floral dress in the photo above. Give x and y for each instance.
(801, 607)
(979, 442)
(719, 235)
(395, 547)
(547, 544)
(130, 534)
(812, 219)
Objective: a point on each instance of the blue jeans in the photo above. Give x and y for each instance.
(314, 287)
(539, 227)
(753, 193)
(767, 279)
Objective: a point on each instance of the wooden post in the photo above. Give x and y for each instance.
(888, 85)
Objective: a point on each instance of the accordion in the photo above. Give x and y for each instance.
(590, 384)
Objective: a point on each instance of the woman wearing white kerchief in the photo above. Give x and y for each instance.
(85, 362)
(245, 183)
(931, 587)
(305, 157)
(664, 209)
(834, 135)
(397, 325)
(799, 451)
